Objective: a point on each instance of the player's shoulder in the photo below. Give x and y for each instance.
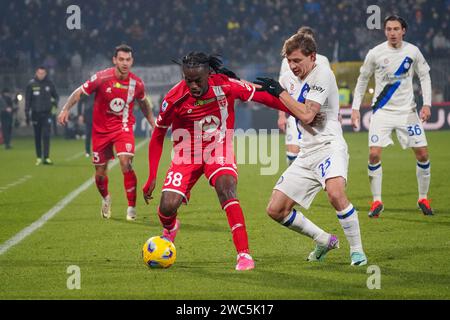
(136, 77)
(219, 79)
(177, 93)
(321, 59)
(378, 49)
(226, 83)
(287, 77)
(103, 75)
(407, 46)
(323, 70)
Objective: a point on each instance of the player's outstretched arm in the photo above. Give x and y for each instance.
(305, 112)
(155, 149)
(63, 116)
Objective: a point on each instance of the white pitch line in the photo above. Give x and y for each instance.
(4, 247)
(15, 183)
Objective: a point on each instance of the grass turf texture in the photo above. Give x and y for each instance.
(410, 249)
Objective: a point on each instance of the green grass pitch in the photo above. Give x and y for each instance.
(410, 249)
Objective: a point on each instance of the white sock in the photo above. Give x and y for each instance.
(375, 172)
(423, 172)
(348, 219)
(297, 222)
(290, 157)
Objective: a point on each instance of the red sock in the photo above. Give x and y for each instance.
(102, 185)
(167, 222)
(237, 224)
(130, 183)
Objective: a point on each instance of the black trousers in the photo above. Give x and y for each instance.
(7, 124)
(42, 126)
(88, 132)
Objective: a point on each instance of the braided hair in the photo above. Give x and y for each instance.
(197, 59)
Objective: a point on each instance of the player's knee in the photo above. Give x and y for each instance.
(335, 196)
(169, 204)
(125, 165)
(374, 157)
(225, 188)
(168, 208)
(274, 211)
(422, 156)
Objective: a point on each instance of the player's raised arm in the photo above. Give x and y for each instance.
(74, 98)
(305, 112)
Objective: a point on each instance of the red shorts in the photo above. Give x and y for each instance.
(103, 143)
(181, 178)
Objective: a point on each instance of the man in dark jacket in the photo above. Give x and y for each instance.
(6, 116)
(39, 94)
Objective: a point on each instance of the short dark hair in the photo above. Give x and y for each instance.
(123, 48)
(306, 30)
(303, 42)
(41, 68)
(395, 17)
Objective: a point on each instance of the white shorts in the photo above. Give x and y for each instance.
(408, 127)
(292, 133)
(307, 175)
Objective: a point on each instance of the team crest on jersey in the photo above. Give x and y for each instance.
(209, 124)
(129, 147)
(220, 160)
(223, 102)
(117, 104)
(164, 106)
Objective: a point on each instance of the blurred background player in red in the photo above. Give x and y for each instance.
(200, 110)
(115, 90)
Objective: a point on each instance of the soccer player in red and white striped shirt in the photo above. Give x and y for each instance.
(115, 91)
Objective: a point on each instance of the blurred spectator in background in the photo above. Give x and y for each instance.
(38, 107)
(6, 114)
(345, 94)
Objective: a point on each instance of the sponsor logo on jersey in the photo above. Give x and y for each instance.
(117, 104)
(317, 88)
(120, 86)
(280, 180)
(203, 102)
(209, 124)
